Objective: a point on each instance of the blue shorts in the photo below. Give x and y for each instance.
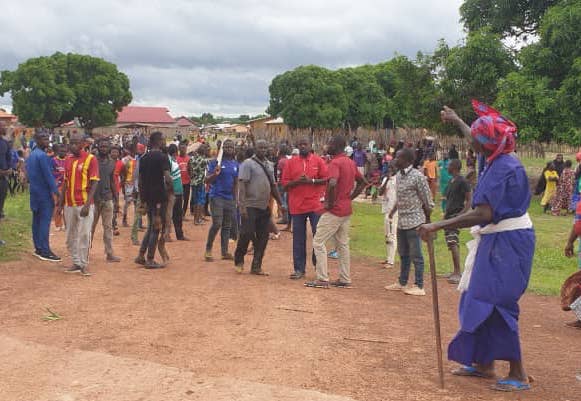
(199, 195)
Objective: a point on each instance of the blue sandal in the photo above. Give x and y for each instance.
(470, 371)
(511, 386)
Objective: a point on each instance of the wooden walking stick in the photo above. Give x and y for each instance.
(436, 308)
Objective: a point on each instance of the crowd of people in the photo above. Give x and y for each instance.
(236, 184)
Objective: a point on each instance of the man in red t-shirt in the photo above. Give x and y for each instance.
(183, 160)
(303, 178)
(334, 223)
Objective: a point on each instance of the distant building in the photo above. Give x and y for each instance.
(184, 122)
(145, 116)
(277, 128)
(7, 118)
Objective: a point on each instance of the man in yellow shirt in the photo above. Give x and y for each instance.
(430, 169)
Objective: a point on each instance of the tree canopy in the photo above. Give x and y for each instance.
(538, 86)
(50, 91)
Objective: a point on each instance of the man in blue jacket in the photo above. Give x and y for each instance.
(43, 196)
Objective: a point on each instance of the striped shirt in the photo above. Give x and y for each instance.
(79, 171)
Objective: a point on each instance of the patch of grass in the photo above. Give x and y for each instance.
(550, 266)
(15, 229)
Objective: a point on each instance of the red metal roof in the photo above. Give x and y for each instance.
(140, 114)
(184, 122)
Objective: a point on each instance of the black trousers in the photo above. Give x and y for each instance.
(177, 217)
(254, 228)
(3, 193)
(185, 200)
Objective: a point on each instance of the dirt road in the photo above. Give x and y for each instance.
(197, 330)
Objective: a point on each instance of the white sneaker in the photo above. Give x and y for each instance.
(415, 290)
(394, 287)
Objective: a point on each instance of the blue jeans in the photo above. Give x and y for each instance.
(409, 247)
(299, 222)
(41, 217)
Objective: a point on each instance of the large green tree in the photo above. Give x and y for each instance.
(49, 91)
(308, 96)
(517, 18)
(366, 102)
(472, 71)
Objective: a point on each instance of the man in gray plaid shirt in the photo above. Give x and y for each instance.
(414, 206)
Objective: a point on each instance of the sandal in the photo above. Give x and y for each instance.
(470, 371)
(509, 385)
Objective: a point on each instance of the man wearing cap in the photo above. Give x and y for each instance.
(303, 178)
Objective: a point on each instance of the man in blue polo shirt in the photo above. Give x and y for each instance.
(43, 196)
(223, 179)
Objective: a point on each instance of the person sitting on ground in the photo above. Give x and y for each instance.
(458, 195)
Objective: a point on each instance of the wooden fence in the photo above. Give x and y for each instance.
(319, 138)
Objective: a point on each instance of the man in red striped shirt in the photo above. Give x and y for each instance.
(80, 184)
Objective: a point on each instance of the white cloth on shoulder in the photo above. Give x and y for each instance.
(517, 223)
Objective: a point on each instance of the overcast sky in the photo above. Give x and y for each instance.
(220, 55)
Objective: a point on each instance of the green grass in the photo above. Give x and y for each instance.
(550, 266)
(15, 229)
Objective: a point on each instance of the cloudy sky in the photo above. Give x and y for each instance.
(220, 55)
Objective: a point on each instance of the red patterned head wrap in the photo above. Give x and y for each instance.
(493, 131)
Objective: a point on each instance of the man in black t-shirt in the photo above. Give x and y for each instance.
(154, 184)
(458, 199)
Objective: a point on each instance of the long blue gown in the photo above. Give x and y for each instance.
(489, 309)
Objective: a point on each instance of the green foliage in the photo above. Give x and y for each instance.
(505, 17)
(472, 71)
(531, 102)
(49, 91)
(308, 96)
(366, 103)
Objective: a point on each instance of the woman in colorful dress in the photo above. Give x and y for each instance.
(562, 199)
(503, 254)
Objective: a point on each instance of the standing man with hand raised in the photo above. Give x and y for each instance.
(303, 178)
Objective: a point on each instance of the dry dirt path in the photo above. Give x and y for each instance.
(199, 331)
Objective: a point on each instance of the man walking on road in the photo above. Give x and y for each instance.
(223, 178)
(414, 206)
(303, 178)
(256, 185)
(43, 197)
(105, 198)
(154, 184)
(81, 179)
(335, 221)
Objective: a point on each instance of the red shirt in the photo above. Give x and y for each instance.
(79, 171)
(117, 175)
(304, 198)
(183, 163)
(345, 172)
